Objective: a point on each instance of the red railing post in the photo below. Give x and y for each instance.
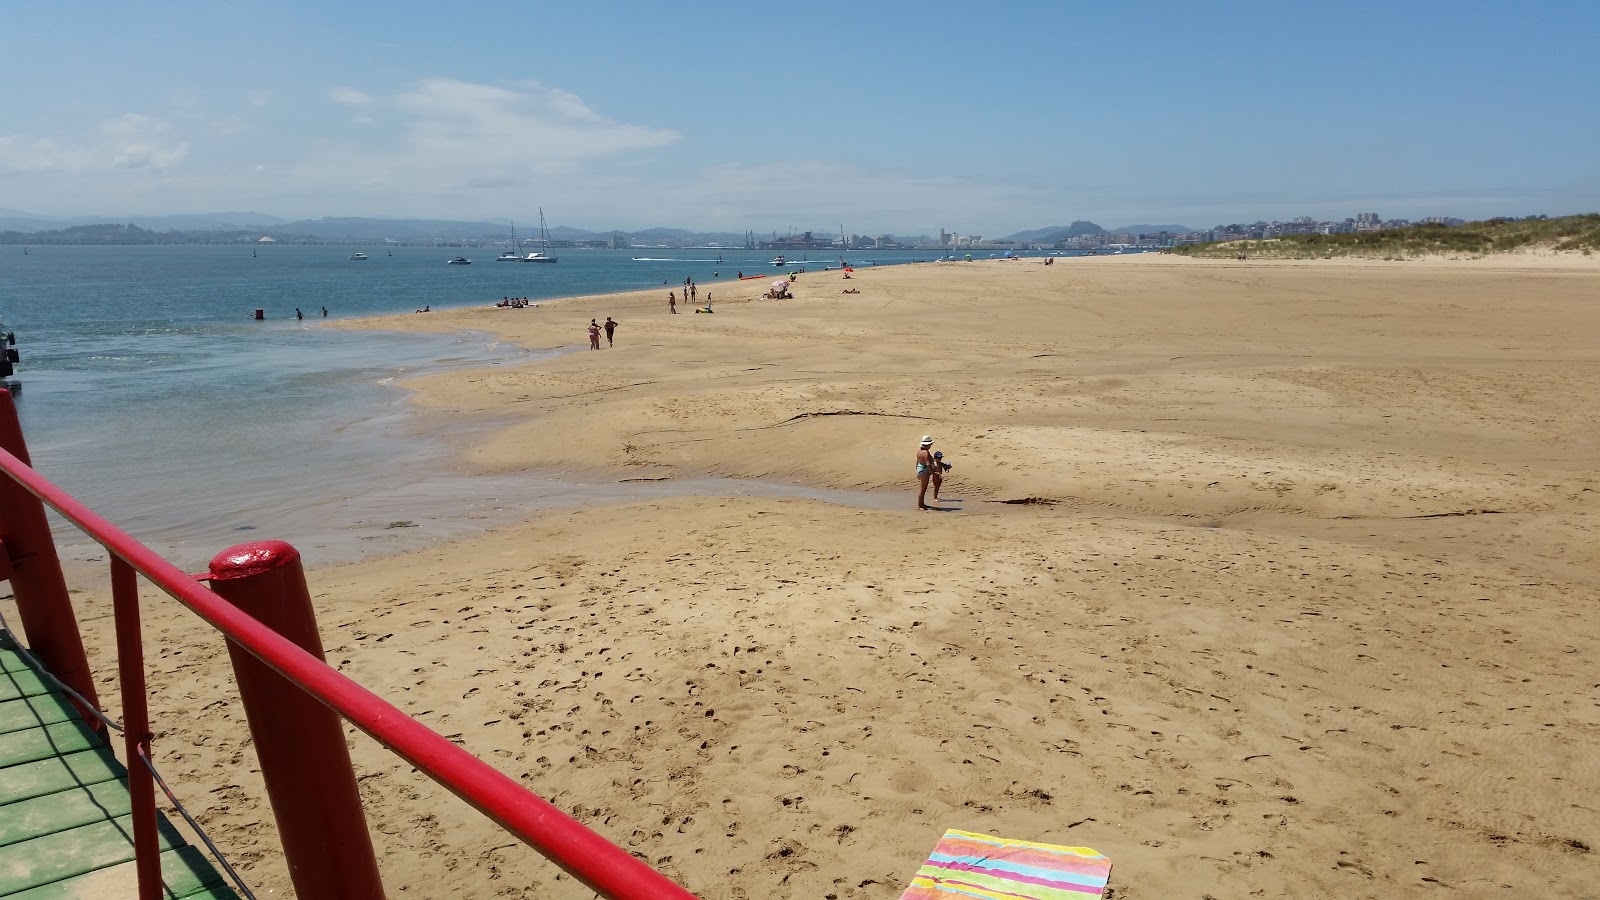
(299, 741)
(36, 577)
(136, 727)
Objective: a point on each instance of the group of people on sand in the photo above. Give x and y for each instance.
(690, 294)
(515, 303)
(930, 471)
(610, 328)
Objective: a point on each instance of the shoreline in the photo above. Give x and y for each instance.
(1296, 579)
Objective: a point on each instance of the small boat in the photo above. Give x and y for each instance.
(779, 261)
(459, 261)
(358, 256)
(511, 255)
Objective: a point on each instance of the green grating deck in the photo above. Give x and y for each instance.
(65, 829)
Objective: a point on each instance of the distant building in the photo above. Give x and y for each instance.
(801, 242)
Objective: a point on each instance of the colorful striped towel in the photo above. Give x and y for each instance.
(965, 864)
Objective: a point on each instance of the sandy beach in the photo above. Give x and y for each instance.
(1261, 578)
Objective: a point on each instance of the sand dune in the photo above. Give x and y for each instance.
(1291, 594)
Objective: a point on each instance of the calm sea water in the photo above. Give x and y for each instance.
(151, 393)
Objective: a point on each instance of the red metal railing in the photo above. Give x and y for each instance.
(587, 856)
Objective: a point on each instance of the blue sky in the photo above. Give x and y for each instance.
(879, 117)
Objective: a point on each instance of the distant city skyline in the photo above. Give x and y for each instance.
(729, 117)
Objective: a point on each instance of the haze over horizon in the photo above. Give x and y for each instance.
(727, 117)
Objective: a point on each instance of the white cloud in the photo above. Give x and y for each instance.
(531, 123)
(349, 96)
(460, 142)
(128, 141)
(259, 97)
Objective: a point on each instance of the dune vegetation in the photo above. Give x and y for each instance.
(1567, 233)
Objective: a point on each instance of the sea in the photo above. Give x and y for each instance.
(152, 393)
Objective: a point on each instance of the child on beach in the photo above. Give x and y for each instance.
(939, 468)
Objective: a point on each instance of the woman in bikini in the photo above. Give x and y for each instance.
(925, 468)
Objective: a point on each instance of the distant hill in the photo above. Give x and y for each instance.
(355, 228)
(225, 221)
(124, 234)
(17, 220)
(1054, 233)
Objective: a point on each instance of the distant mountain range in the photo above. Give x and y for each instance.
(16, 220)
(355, 229)
(1061, 232)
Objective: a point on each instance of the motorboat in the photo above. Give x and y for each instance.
(358, 256)
(459, 261)
(779, 261)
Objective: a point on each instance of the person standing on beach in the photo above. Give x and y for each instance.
(694, 293)
(611, 328)
(926, 465)
(594, 335)
(939, 468)
(672, 303)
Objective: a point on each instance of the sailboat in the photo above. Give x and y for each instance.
(511, 255)
(541, 256)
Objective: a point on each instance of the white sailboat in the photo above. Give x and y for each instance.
(511, 255)
(541, 256)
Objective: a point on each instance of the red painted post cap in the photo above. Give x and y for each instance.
(254, 558)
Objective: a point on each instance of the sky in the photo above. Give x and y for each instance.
(874, 117)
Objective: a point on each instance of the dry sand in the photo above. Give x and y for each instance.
(1303, 606)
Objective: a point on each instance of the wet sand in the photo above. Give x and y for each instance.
(1260, 578)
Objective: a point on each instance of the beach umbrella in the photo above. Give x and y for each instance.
(780, 284)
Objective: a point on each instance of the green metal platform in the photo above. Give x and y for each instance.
(65, 827)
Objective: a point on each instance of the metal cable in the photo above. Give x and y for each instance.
(39, 669)
(238, 882)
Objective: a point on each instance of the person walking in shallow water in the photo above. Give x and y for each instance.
(926, 465)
